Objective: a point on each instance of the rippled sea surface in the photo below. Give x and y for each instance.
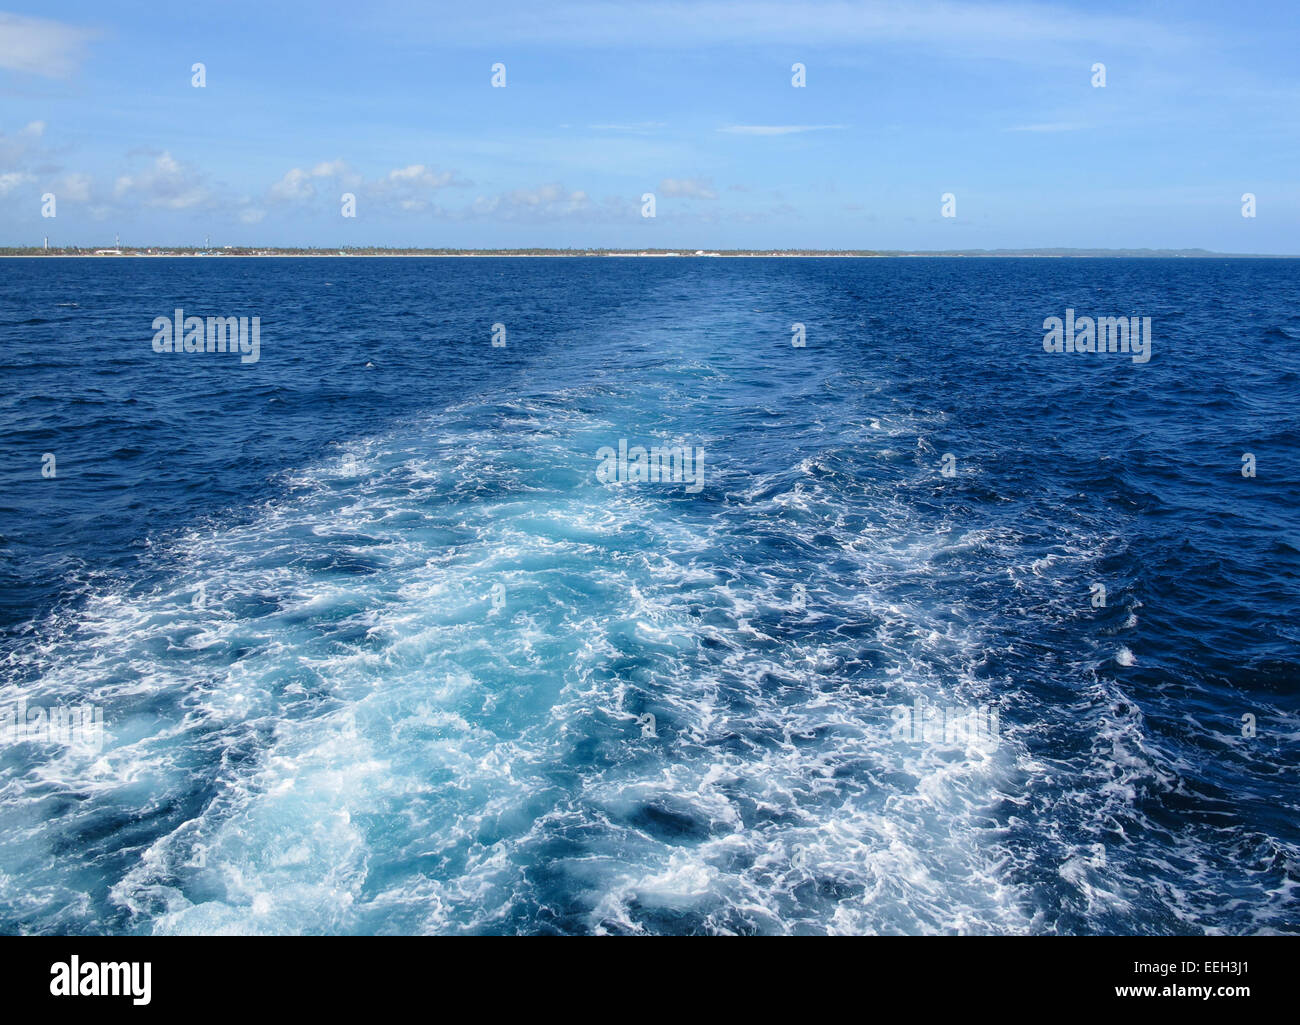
(377, 651)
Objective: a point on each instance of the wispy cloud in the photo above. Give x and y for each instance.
(776, 129)
(406, 188)
(22, 146)
(38, 46)
(689, 188)
(76, 186)
(296, 185)
(411, 188)
(299, 183)
(1015, 30)
(635, 128)
(168, 183)
(12, 180)
(1051, 126)
(544, 203)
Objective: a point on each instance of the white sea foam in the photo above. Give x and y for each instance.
(350, 735)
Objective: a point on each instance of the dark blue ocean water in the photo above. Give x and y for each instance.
(376, 650)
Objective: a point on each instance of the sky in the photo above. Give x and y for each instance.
(904, 102)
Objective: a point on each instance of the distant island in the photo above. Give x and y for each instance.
(332, 251)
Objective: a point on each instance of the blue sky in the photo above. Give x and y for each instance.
(692, 101)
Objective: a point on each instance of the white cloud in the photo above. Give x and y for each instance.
(15, 149)
(295, 185)
(1054, 126)
(635, 128)
(775, 129)
(541, 196)
(544, 203)
(299, 184)
(406, 188)
(691, 188)
(418, 174)
(75, 187)
(168, 183)
(410, 188)
(329, 169)
(1014, 31)
(39, 46)
(12, 180)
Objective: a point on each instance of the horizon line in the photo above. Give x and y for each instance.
(156, 251)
